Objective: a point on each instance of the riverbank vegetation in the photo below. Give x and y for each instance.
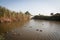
(7, 15)
(54, 17)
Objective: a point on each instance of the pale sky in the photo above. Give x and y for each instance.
(44, 7)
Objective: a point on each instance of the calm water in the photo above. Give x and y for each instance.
(31, 30)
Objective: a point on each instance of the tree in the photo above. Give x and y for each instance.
(27, 13)
(57, 14)
(39, 14)
(52, 14)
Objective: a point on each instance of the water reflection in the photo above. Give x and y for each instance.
(5, 27)
(31, 30)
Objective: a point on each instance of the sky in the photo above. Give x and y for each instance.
(35, 7)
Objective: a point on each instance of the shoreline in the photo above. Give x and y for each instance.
(55, 17)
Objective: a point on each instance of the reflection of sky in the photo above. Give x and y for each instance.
(33, 6)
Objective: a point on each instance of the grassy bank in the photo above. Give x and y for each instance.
(7, 15)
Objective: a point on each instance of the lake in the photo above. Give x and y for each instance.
(31, 30)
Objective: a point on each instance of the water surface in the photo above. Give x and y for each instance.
(32, 30)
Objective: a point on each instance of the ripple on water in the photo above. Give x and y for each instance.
(30, 27)
(37, 29)
(41, 30)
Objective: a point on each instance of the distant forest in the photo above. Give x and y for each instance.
(54, 17)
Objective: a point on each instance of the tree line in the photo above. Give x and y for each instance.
(54, 17)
